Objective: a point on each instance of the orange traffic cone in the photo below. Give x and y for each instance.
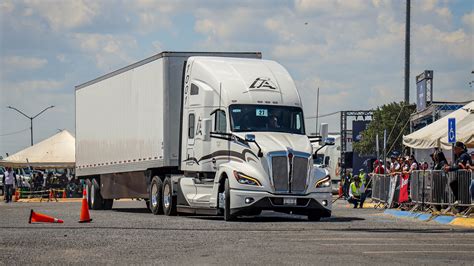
(41, 218)
(64, 194)
(85, 218)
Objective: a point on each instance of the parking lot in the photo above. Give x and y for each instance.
(130, 234)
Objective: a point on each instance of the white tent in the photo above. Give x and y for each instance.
(435, 134)
(57, 151)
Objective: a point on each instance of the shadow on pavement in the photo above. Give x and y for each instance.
(132, 210)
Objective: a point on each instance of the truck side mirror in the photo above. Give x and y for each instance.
(250, 137)
(207, 124)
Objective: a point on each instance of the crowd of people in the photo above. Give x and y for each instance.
(356, 188)
(39, 181)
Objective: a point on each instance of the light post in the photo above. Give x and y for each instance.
(31, 118)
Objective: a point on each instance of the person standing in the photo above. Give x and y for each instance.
(462, 161)
(9, 184)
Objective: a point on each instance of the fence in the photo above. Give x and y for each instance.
(434, 190)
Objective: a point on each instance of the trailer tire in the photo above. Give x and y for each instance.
(108, 204)
(156, 197)
(169, 200)
(227, 215)
(96, 199)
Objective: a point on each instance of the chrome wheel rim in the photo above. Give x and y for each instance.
(154, 191)
(92, 195)
(167, 197)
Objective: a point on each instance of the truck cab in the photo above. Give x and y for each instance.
(243, 144)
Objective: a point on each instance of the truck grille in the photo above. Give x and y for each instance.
(280, 174)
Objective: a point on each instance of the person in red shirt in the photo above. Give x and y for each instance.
(378, 168)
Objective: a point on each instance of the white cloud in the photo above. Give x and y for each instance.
(11, 63)
(109, 51)
(6, 6)
(64, 14)
(29, 86)
(468, 20)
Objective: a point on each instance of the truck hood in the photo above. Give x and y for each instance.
(273, 141)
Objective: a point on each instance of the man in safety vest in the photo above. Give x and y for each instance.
(357, 193)
(362, 175)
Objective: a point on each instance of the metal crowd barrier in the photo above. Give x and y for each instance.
(381, 188)
(430, 189)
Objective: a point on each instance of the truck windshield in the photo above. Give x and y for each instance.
(255, 118)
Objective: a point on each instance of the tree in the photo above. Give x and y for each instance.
(395, 118)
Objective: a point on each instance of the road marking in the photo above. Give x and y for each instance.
(394, 244)
(418, 251)
(372, 238)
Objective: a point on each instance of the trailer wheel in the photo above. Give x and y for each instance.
(96, 198)
(169, 201)
(156, 191)
(88, 185)
(108, 203)
(227, 215)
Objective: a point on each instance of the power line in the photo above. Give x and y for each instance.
(16, 132)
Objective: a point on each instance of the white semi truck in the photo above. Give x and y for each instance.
(200, 133)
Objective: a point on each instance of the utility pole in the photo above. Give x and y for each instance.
(317, 112)
(407, 53)
(31, 118)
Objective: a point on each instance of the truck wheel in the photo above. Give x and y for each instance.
(169, 202)
(156, 191)
(227, 215)
(314, 217)
(96, 198)
(88, 185)
(108, 203)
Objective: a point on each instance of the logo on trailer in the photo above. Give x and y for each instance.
(263, 83)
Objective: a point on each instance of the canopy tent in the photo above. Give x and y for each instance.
(435, 135)
(58, 151)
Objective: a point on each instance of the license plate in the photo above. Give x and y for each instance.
(289, 201)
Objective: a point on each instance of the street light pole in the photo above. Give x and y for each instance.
(31, 118)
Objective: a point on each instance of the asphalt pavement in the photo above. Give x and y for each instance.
(129, 234)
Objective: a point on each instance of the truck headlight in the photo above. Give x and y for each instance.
(325, 182)
(245, 179)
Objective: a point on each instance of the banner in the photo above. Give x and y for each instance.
(403, 196)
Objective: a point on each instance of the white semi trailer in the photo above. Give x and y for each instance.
(201, 133)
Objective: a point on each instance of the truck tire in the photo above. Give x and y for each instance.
(314, 217)
(88, 185)
(108, 203)
(169, 201)
(227, 215)
(96, 198)
(156, 197)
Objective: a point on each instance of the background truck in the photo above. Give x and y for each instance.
(202, 133)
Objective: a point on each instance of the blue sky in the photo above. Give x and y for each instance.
(352, 49)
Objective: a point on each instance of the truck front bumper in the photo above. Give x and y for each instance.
(248, 202)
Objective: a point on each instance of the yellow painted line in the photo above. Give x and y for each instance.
(461, 221)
